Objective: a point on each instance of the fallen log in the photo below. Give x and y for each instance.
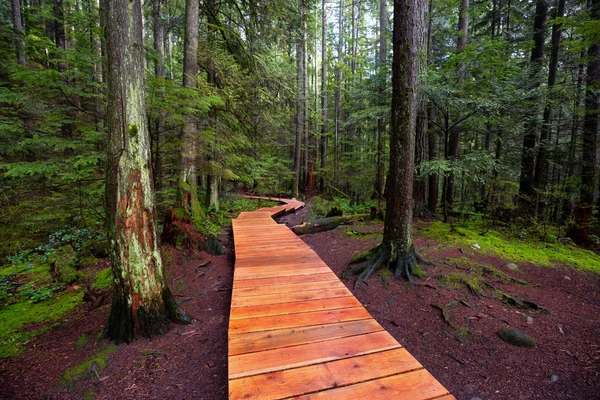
(325, 224)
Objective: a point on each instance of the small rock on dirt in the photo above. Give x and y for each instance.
(529, 321)
(512, 266)
(477, 246)
(554, 378)
(516, 337)
(567, 277)
(214, 246)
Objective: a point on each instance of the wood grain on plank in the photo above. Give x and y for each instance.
(288, 288)
(415, 385)
(303, 380)
(266, 323)
(292, 308)
(289, 297)
(297, 356)
(281, 280)
(266, 340)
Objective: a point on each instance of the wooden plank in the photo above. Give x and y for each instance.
(276, 270)
(297, 356)
(299, 381)
(252, 342)
(279, 280)
(292, 308)
(415, 385)
(289, 288)
(252, 273)
(282, 259)
(289, 297)
(266, 323)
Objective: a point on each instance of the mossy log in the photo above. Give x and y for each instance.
(325, 224)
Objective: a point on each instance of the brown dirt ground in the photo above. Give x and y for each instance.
(190, 362)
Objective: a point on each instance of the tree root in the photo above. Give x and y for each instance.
(379, 257)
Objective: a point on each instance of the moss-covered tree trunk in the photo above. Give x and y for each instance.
(142, 303)
(188, 187)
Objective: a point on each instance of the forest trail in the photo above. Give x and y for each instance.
(296, 330)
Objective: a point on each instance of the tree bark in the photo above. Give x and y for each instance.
(212, 186)
(159, 72)
(300, 48)
(188, 187)
(526, 188)
(338, 91)
(541, 168)
(407, 36)
(18, 28)
(142, 303)
(454, 136)
(584, 209)
(324, 134)
(421, 140)
(381, 118)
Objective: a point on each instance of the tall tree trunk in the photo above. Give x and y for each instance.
(142, 303)
(409, 28)
(18, 28)
(67, 128)
(454, 136)
(541, 168)
(396, 251)
(421, 140)
(159, 72)
(212, 156)
(300, 47)
(324, 134)
(381, 118)
(433, 184)
(188, 187)
(584, 210)
(20, 53)
(338, 91)
(526, 188)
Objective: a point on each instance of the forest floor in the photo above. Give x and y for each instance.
(463, 352)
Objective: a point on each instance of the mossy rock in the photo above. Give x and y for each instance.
(64, 263)
(516, 337)
(214, 246)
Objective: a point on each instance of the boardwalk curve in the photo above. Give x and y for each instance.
(296, 331)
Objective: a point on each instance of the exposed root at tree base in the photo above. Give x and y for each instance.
(379, 257)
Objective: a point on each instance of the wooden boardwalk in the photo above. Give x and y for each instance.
(296, 331)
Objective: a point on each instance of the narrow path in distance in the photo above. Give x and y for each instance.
(295, 330)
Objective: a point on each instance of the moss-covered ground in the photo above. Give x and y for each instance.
(14, 319)
(538, 252)
(92, 367)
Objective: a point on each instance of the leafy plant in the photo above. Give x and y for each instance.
(35, 295)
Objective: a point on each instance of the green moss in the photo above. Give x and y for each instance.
(350, 232)
(89, 368)
(90, 394)
(513, 249)
(457, 280)
(29, 272)
(461, 333)
(14, 317)
(82, 341)
(387, 276)
(103, 279)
